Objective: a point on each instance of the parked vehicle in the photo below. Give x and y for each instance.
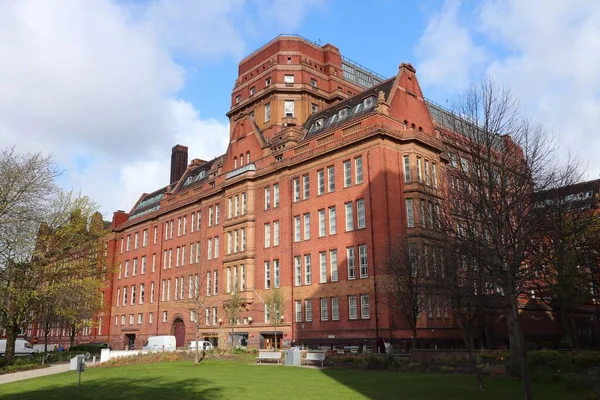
(202, 344)
(160, 343)
(22, 348)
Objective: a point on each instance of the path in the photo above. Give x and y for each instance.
(19, 376)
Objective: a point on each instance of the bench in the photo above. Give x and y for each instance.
(269, 356)
(318, 357)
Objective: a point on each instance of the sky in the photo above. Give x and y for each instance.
(110, 86)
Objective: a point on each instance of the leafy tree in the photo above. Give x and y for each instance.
(274, 304)
(233, 308)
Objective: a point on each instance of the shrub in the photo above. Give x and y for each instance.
(92, 348)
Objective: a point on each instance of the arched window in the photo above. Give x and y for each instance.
(248, 157)
(241, 160)
(234, 162)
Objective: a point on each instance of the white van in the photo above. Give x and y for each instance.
(202, 344)
(160, 343)
(22, 348)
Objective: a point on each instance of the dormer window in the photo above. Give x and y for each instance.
(202, 174)
(189, 180)
(369, 101)
(332, 119)
(357, 108)
(319, 123)
(252, 90)
(343, 113)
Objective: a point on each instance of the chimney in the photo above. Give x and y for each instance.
(179, 159)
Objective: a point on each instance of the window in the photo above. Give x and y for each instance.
(142, 293)
(168, 290)
(322, 267)
(207, 316)
(331, 178)
(324, 309)
(360, 213)
(296, 189)
(126, 268)
(143, 265)
(122, 241)
(229, 278)
(145, 238)
(275, 195)
(155, 234)
(267, 197)
(321, 181)
(288, 79)
(349, 217)
(131, 319)
(362, 259)
(335, 309)
(464, 164)
(135, 266)
(313, 82)
(267, 275)
(297, 271)
(215, 316)
(351, 263)
(267, 235)
(427, 177)
(210, 216)
(352, 307)
(364, 306)
(229, 242)
(332, 221)
(243, 231)
(123, 318)
(307, 270)
(321, 223)
(306, 186)
(140, 318)
(118, 297)
(179, 226)
(215, 282)
(242, 277)
(276, 273)
(358, 170)
(347, 174)
(267, 314)
(422, 213)
(434, 174)
(267, 112)
(128, 242)
(419, 170)
(209, 250)
(406, 169)
(308, 310)
(306, 226)
(298, 309)
(314, 108)
(276, 233)
(208, 280)
(288, 108)
(297, 228)
(216, 247)
(238, 98)
(333, 265)
(150, 317)
(217, 214)
(252, 90)
(409, 213)
(152, 292)
(268, 81)
(165, 316)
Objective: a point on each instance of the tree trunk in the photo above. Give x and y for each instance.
(72, 333)
(46, 332)
(232, 336)
(522, 351)
(469, 340)
(489, 339)
(513, 366)
(275, 335)
(197, 358)
(414, 337)
(10, 344)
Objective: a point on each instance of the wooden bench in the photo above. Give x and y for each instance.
(269, 356)
(318, 357)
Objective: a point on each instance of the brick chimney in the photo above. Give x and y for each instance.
(179, 160)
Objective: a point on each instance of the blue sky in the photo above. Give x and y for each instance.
(109, 86)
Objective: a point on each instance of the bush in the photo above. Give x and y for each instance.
(92, 348)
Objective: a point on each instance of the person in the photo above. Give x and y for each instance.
(61, 348)
(380, 345)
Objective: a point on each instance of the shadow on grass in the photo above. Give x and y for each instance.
(122, 388)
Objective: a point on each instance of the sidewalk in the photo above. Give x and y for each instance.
(19, 376)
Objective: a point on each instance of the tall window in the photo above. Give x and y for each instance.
(406, 169)
(209, 250)
(335, 309)
(145, 238)
(296, 189)
(267, 235)
(349, 217)
(267, 197)
(434, 174)
(321, 181)
(331, 178)
(333, 265)
(288, 108)
(298, 309)
(267, 275)
(321, 223)
(267, 112)
(276, 273)
(297, 271)
(297, 228)
(307, 270)
(275, 195)
(352, 312)
(216, 247)
(422, 212)
(324, 309)
(360, 213)
(347, 174)
(306, 226)
(358, 170)
(143, 265)
(215, 282)
(427, 179)
(276, 233)
(322, 267)
(419, 169)
(217, 214)
(306, 186)
(364, 306)
(362, 258)
(308, 310)
(332, 221)
(350, 257)
(409, 213)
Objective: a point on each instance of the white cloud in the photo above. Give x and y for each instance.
(545, 51)
(97, 83)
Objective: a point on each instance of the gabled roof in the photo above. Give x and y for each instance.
(355, 105)
(194, 175)
(148, 203)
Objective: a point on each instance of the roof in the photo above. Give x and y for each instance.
(355, 105)
(194, 175)
(149, 203)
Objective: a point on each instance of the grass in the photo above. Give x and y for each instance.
(218, 379)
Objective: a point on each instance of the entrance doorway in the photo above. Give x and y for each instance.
(268, 340)
(130, 341)
(179, 332)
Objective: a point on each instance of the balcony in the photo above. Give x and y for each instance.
(289, 121)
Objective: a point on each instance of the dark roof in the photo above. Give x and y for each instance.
(194, 175)
(149, 203)
(355, 105)
(582, 191)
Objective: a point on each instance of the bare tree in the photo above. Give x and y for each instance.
(197, 302)
(405, 285)
(274, 305)
(233, 309)
(497, 160)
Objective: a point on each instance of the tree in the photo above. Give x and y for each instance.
(491, 183)
(274, 306)
(196, 303)
(405, 284)
(233, 308)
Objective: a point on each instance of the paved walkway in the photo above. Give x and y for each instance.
(19, 376)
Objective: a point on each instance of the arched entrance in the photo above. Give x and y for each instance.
(179, 332)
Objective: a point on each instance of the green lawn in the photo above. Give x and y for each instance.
(215, 379)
